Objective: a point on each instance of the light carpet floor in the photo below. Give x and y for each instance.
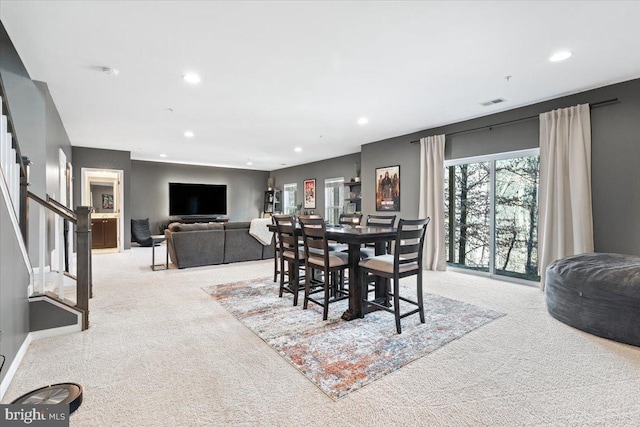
(160, 352)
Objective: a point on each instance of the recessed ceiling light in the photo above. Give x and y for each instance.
(297, 150)
(249, 163)
(191, 78)
(189, 134)
(163, 155)
(111, 71)
(363, 121)
(560, 56)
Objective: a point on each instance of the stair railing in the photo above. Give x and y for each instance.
(14, 170)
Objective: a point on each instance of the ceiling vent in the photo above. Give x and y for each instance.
(493, 101)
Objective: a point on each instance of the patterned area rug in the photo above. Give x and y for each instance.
(338, 356)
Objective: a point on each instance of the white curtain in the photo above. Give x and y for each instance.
(565, 219)
(432, 200)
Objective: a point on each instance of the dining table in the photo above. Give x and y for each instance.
(355, 237)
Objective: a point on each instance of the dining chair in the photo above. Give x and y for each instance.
(369, 250)
(291, 253)
(276, 253)
(318, 257)
(404, 262)
(348, 220)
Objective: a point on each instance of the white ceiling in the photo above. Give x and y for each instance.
(276, 75)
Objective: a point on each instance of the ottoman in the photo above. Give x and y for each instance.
(598, 293)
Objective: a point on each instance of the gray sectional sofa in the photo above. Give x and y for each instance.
(194, 245)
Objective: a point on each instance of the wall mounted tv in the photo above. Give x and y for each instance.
(197, 199)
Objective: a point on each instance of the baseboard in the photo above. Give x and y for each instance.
(32, 336)
(54, 332)
(4, 386)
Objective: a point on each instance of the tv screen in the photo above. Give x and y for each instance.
(197, 199)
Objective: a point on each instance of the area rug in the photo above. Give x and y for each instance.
(339, 356)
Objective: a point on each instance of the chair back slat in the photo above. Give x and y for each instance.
(314, 234)
(381, 220)
(350, 219)
(286, 229)
(409, 242)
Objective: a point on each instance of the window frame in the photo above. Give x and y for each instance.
(337, 182)
(492, 158)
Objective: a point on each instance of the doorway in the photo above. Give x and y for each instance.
(102, 189)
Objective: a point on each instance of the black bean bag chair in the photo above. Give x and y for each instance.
(598, 293)
(140, 232)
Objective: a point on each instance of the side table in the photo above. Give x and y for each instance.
(156, 240)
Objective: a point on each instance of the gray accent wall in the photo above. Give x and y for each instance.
(40, 133)
(615, 156)
(150, 189)
(331, 168)
(14, 280)
(96, 158)
(45, 315)
(28, 112)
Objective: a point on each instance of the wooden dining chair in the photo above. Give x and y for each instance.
(405, 261)
(319, 258)
(369, 250)
(276, 253)
(291, 253)
(345, 220)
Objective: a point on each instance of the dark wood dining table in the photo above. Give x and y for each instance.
(355, 237)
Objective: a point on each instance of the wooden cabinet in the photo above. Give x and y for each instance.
(272, 202)
(352, 197)
(104, 233)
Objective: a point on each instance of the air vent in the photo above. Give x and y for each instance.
(493, 101)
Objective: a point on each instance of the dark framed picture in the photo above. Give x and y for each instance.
(388, 188)
(107, 201)
(309, 193)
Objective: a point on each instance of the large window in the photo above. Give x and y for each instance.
(491, 214)
(290, 194)
(333, 199)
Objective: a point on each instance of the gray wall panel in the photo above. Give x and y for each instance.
(331, 168)
(95, 158)
(28, 112)
(14, 280)
(615, 154)
(150, 189)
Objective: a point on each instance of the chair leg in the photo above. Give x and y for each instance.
(295, 277)
(365, 291)
(325, 312)
(420, 301)
(275, 266)
(282, 274)
(307, 286)
(396, 302)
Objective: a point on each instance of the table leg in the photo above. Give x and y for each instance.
(355, 287)
(382, 283)
(153, 256)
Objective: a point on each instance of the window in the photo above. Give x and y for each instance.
(290, 196)
(491, 214)
(333, 199)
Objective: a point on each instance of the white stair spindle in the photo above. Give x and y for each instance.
(4, 151)
(42, 244)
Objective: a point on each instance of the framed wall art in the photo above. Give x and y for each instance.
(309, 193)
(388, 188)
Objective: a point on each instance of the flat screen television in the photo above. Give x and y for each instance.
(197, 199)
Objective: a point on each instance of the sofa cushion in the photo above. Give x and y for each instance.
(178, 226)
(237, 225)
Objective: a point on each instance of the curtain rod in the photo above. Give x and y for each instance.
(594, 105)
